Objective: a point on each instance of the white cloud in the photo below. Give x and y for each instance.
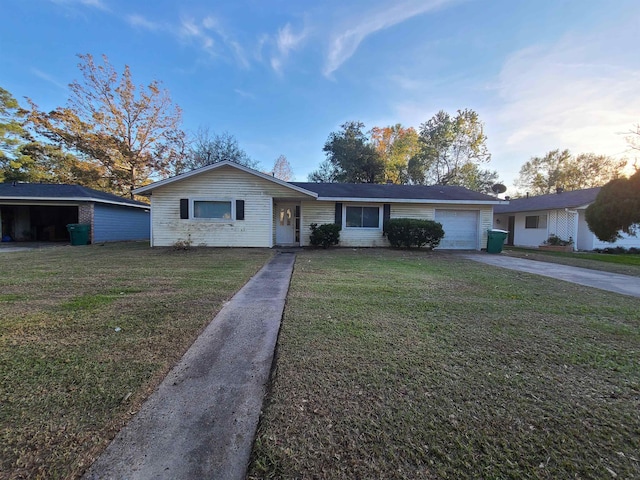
(244, 93)
(99, 4)
(262, 41)
(573, 95)
(94, 3)
(49, 78)
(140, 21)
(205, 33)
(191, 30)
(286, 41)
(344, 44)
(579, 93)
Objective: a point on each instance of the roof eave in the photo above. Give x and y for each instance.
(545, 209)
(410, 200)
(72, 199)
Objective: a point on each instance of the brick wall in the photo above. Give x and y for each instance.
(85, 215)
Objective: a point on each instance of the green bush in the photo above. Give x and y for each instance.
(556, 240)
(325, 235)
(410, 232)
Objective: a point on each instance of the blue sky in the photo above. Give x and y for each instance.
(280, 75)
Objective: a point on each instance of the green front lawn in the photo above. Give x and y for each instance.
(405, 365)
(86, 333)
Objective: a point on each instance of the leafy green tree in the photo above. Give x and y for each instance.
(207, 148)
(324, 174)
(561, 169)
(351, 157)
(396, 146)
(616, 208)
(474, 178)
(25, 166)
(12, 132)
(447, 145)
(41, 162)
(132, 132)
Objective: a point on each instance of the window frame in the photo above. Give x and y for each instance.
(360, 205)
(192, 209)
(541, 222)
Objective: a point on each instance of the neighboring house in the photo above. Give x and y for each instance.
(226, 204)
(42, 211)
(531, 220)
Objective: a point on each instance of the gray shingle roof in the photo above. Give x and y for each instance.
(553, 201)
(393, 191)
(53, 191)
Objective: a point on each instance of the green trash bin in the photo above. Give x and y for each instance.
(79, 233)
(495, 240)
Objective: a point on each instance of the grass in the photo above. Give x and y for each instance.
(86, 333)
(405, 365)
(626, 264)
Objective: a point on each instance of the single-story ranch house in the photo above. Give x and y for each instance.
(531, 220)
(42, 211)
(226, 204)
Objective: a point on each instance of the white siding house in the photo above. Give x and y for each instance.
(530, 221)
(176, 208)
(226, 204)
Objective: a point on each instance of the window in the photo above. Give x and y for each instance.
(213, 209)
(365, 217)
(285, 216)
(535, 221)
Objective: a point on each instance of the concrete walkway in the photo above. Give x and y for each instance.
(201, 421)
(7, 247)
(612, 282)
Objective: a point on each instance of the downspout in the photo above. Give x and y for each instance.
(575, 227)
(151, 220)
(271, 222)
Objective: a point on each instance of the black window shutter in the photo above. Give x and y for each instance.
(386, 214)
(338, 219)
(239, 209)
(184, 208)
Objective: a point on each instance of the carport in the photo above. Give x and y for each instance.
(41, 212)
(40, 223)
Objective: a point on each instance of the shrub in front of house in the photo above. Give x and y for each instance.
(411, 232)
(556, 241)
(326, 235)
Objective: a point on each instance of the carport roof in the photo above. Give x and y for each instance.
(552, 201)
(52, 191)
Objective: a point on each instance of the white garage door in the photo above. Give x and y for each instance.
(460, 229)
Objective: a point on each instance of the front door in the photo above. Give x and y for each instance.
(285, 224)
(511, 225)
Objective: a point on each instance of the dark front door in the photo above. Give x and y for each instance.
(511, 225)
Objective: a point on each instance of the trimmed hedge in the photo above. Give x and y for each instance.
(411, 232)
(326, 235)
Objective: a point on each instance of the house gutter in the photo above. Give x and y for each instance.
(410, 200)
(30, 200)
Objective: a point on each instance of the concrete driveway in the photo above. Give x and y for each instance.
(612, 282)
